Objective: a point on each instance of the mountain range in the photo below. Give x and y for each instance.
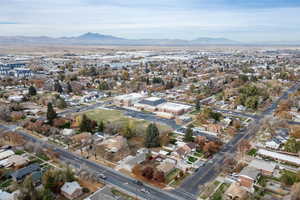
(100, 39)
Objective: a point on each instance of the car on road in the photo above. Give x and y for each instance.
(101, 176)
(138, 182)
(145, 191)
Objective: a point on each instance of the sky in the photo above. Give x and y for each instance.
(241, 20)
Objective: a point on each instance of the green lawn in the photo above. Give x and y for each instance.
(218, 195)
(121, 195)
(197, 154)
(19, 152)
(252, 152)
(192, 159)
(170, 176)
(4, 184)
(118, 117)
(42, 156)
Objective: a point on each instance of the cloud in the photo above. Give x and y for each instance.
(236, 19)
(3, 22)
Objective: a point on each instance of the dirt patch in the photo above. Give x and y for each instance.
(92, 186)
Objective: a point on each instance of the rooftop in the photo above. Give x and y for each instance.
(249, 172)
(280, 156)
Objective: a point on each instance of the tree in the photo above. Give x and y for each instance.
(197, 105)
(148, 172)
(28, 190)
(128, 132)
(69, 87)
(46, 194)
(159, 176)
(31, 91)
(85, 124)
(51, 114)
(5, 113)
(57, 87)
(152, 136)
(69, 174)
(101, 126)
(53, 179)
(188, 137)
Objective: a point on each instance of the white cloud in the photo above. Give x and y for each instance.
(73, 17)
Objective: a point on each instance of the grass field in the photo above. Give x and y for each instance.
(118, 117)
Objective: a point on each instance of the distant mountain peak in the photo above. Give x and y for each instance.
(96, 36)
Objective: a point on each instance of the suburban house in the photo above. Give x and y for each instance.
(6, 154)
(183, 151)
(6, 195)
(71, 190)
(166, 167)
(235, 192)
(248, 176)
(130, 161)
(14, 160)
(23, 172)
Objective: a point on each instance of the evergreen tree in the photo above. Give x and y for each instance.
(51, 114)
(197, 105)
(31, 91)
(128, 132)
(188, 137)
(101, 126)
(152, 136)
(57, 87)
(85, 125)
(69, 87)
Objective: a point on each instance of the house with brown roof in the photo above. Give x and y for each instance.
(183, 150)
(81, 138)
(166, 167)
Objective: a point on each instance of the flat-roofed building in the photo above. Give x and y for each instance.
(279, 156)
(266, 168)
(149, 104)
(6, 154)
(248, 176)
(174, 108)
(128, 99)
